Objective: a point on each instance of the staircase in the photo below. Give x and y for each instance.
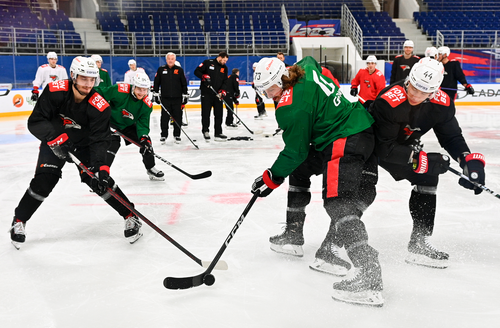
(90, 34)
(411, 32)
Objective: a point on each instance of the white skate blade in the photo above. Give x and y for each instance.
(221, 265)
(154, 178)
(367, 297)
(220, 139)
(16, 244)
(325, 267)
(294, 250)
(418, 259)
(134, 238)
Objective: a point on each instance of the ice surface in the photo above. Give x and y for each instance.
(76, 269)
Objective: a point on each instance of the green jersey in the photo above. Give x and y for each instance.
(127, 110)
(314, 112)
(105, 79)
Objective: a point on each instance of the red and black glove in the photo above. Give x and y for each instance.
(146, 146)
(236, 102)
(469, 89)
(102, 181)
(473, 166)
(34, 94)
(221, 94)
(430, 163)
(354, 92)
(61, 146)
(206, 78)
(266, 183)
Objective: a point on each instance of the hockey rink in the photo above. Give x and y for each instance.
(77, 270)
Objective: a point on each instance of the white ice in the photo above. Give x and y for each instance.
(77, 270)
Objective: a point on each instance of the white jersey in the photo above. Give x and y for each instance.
(46, 74)
(130, 74)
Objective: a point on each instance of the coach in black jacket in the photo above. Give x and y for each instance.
(213, 73)
(233, 93)
(174, 94)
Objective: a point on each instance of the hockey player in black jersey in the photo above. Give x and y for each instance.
(452, 73)
(402, 64)
(232, 88)
(70, 116)
(404, 112)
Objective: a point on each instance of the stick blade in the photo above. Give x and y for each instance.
(184, 282)
(221, 265)
(202, 175)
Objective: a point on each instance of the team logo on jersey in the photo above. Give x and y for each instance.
(69, 123)
(405, 67)
(176, 71)
(53, 77)
(222, 70)
(286, 98)
(395, 96)
(201, 65)
(409, 130)
(127, 114)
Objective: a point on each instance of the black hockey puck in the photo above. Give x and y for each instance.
(209, 279)
(194, 140)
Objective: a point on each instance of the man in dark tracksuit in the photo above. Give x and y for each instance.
(233, 93)
(174, 94)
(403, 63)
(452, 73)
(213, 74)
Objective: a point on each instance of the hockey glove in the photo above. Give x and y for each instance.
(236, 102)
(146, 146)
(266, 183)
(236, 95)
(102, 181)
(185, 99)
(354, 92)
(221, 94)
(473, 166)
(61, 146)
(156, 98)
(206, 78)
(431, 163)
(34, 94)
(469, 89)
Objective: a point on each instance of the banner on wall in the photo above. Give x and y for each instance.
(315, 28)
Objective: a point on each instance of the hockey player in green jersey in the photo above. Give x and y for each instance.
(130, 114)
(324, 134)
(104, 79)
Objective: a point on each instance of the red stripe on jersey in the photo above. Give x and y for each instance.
(61, 85)
(332, 184)
(98, 102)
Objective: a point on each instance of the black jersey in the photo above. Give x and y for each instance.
(172, 81)
(398, 124)
(86, 123)
(232, 86)
(217, 73)
(401, 67)
(452, 73)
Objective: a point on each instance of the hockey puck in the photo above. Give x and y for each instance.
(209, 279)
(194, 140)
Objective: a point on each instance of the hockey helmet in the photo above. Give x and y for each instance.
(141, 80)
(408, 43)
(96, 58)
(426, 75)
(268, 73)
(444, 51)
(371, 59)
(83, 66)
(132, 62)
(431, 52)
(51, 55)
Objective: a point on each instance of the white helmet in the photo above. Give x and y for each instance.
(431, 52)
(444, 51)
(141, 80)
(254, 66)
(371, 59)
(96, 58)
(132, 62)
(426, 75)
(83, 66)
(408, 43)
(51, 55)
(268, 73)
(177, 63)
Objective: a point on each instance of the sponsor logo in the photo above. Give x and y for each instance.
(395, 96)
(17, 100)
(98, 102)
(51, 166)
(286, 98)
(176, 71)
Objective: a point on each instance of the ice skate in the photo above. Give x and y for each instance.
(163, 140)
(328, 261)
(177, 140)
(289, 242)
(421, 252)
(232, 126)
(260, 116)
(364, 288)
(17, 233)
(132, 229)
(220, 137)
(155, 174)
(206, 135)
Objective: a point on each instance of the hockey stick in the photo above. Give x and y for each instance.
(229, 107)
(267, 135)
(202, 175)
(180, 127)
(205, 264)
(7, 87)
(452, 170)
(206, 277)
